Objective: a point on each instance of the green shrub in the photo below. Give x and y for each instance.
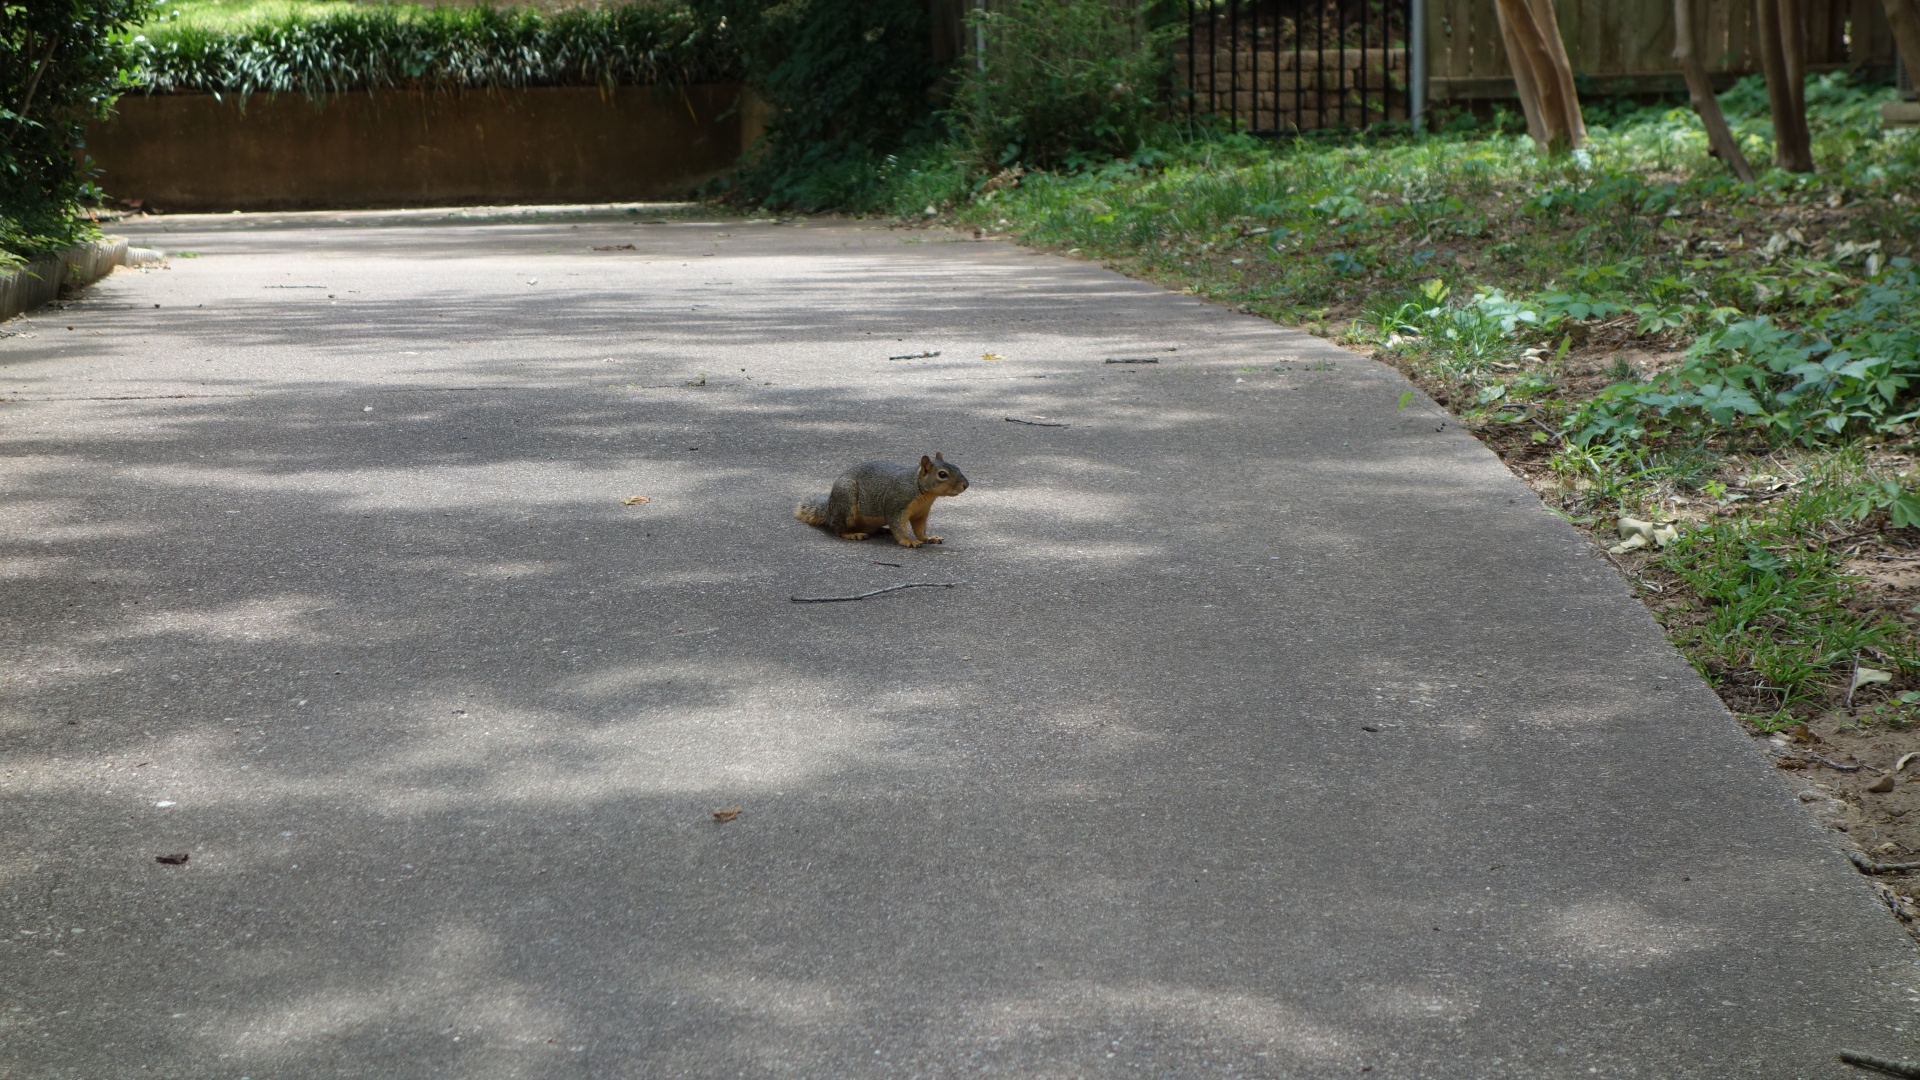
(58, 68)
(1066, 82)
(848, 83)
(434, 48)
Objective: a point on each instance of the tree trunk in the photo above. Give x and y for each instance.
(1783, 45)
(1541, 73)
(1549, 23)
(1719, 136)
(1523, 82)
(1904, 17)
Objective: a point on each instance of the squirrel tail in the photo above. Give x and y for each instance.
(813, 511)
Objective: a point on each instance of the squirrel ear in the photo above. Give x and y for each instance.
(924, 463)
(938, 458)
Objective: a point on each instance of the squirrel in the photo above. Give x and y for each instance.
(879, 494)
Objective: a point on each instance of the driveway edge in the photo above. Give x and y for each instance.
(39, 282)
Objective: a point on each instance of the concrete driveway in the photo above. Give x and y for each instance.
(1274, 729)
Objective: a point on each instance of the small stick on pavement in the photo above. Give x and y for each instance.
(1034, 423)
(876, 592)
(1868, 866)
(1133, 359)
(1880, 1064)
(916, 356)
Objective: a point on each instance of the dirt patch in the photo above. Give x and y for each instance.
(1862, 782)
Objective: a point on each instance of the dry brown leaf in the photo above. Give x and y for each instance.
(635, 500)
(1864, 675)
(726, 813)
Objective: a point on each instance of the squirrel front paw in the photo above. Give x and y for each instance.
(906, 539)
(930, 539)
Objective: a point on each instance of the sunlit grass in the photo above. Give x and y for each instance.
(228, 14)
(231, 14)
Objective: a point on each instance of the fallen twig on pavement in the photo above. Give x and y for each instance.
(1034, 423)
(876, 592)
(1885, 1065)
(1133, 359)
(916, 356)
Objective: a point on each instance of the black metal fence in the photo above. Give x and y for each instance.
(1271, 67)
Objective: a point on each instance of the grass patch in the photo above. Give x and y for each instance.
(1631, 329)
(219, 15)
(1771, 613)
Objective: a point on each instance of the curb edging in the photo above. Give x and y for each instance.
(29, 286)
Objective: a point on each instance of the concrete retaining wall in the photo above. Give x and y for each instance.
(410, 148)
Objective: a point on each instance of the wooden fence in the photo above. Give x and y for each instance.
(1615, 46)
(1626, 46)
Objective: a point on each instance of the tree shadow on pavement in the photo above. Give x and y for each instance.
(1235, 749)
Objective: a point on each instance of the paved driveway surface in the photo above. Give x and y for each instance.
(1275, 730)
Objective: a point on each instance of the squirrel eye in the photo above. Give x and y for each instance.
(943, 474)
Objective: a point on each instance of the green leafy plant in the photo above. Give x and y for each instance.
(1902, 506)
(59, 67)
(440, 48)
(849, 84)
(1852, 370)
(1067, 83)
(1461, 340)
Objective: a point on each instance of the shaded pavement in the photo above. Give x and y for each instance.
(1275, 730)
